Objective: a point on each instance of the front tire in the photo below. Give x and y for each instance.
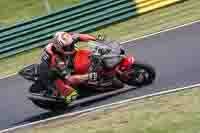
(141, 74)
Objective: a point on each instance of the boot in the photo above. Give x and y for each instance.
(71, 97)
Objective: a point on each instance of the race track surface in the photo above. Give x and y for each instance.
(175, 55)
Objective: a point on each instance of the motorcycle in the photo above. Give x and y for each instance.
(109, 59)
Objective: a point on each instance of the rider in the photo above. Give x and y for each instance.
(57, 64)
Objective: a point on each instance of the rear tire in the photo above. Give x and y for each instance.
(54, 107)
(36, 87)
(47, 105)
(143, 74)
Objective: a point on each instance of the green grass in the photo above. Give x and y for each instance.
(15, 11)
(55, 5)
(171, 113)
(135, 27)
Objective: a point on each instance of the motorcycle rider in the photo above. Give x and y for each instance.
(57, 65)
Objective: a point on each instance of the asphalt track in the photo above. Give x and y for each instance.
(175, 55)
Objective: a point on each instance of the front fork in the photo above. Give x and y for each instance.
(123, 74)
(125, 68)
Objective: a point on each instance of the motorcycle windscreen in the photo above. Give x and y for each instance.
(82, 61)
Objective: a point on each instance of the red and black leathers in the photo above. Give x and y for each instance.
(55, 67)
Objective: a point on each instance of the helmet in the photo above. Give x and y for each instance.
(63, 43)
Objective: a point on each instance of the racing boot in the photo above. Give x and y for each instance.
(66, 91)
(71, 97)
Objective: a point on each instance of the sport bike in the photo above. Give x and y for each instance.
(108, 58)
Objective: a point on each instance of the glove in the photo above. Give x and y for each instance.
(101, 37)
(71, 97)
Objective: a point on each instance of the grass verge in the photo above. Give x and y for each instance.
(171, 113)
(155, 21)
(16, 11)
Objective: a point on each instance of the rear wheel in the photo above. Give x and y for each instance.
(47, 103)
(141, 74)
(36, 87)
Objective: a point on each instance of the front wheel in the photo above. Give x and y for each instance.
(141, 74)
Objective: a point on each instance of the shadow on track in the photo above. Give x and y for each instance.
(74, 107)
(43, 116)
